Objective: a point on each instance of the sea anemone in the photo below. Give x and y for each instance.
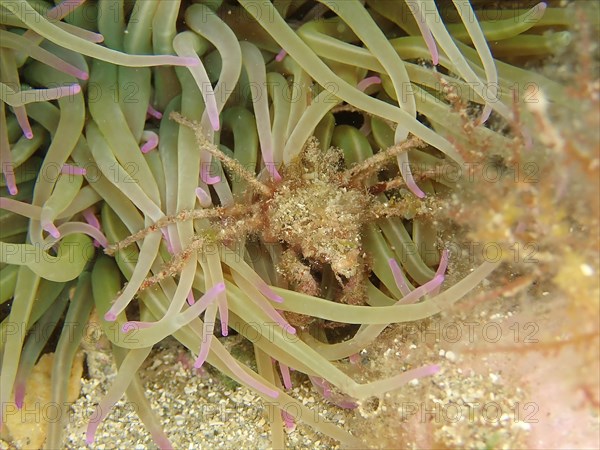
(120, 119)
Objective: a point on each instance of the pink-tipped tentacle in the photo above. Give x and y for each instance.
(152, 112)
(321, 385)
(9, 177)
(425, 31)
(279, 320)
(23, 121)
(209, 298)
(285, 375)
(288, 420)
(182, 44)
(419, 292)
(282, 54)
(369, 81)
(68, 169)
(399, 277)
(81, 227)
(266, 290)
(150, 139)
(90, 217)
(205, 174)
(20, 393)
(167, 239)
(224, 316)
(441, 270)
(190, 298)
(362, 85)
(203, 197)
(406, 173)
(48, 226)
(422, 372)
(431, 287)
(443, 266)
(342, 401)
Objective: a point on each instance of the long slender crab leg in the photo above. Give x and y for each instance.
(232, 164)
(181, 216)
(375, 162)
